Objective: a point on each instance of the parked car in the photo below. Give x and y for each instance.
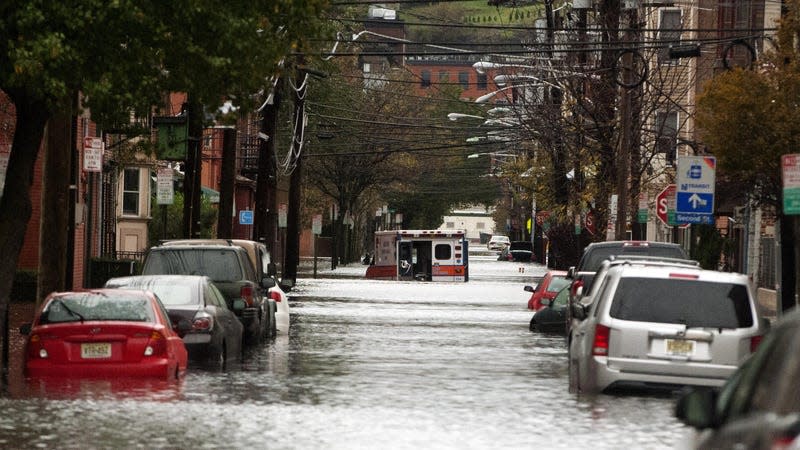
(582, 275)
(597, 252)
(231, 270)
(498, 242)
(585, 298)
(551, 283)
(103, 333)
(759, 405)
(663, 326)
(551, 318)
(517, 251)
(261, 259)
(216, 333)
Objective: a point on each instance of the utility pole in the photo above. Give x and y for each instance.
(193, 170)
(292, 258)
(227, 184)
(267, 178)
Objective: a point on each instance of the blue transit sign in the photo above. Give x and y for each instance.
(694, 194)
(246, 217)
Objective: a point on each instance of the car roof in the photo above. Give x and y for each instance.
(136, 279)
(658, 270)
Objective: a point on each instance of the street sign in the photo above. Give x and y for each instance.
(246, 217)
(165, 191)
(694, 195)
(283, 215)
(662, 203)
(316, 224)
(790, 165)
(92, 154)
(641, 216)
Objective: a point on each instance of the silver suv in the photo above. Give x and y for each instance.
(663, 325)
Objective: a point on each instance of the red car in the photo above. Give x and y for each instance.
(103, 333)
(551, 283)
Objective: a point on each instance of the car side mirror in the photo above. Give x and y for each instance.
(25, 328)
(267, 282)
(529, 288)
(239, 304)
(571, 272)
(696, 408)
(578, 311)
(287, 285)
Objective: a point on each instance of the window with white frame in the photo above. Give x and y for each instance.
(131, 191)
(669, 33)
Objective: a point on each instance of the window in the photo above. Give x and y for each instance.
(482, 83)
(130, 192)
(669, 33)
(667, 135)
(442, 251)
(692, 303)
(450, 225)
(463, 80)
(480, 225)
(444, 76)
(425, 78)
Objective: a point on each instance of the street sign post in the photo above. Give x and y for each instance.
(694, 196)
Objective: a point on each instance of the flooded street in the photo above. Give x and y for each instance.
(367, 364)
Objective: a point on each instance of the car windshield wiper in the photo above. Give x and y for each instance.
(69, 310)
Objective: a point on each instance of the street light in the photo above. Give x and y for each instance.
(488, 96)
(455, 116)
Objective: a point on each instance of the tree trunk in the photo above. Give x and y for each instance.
(54, 226)
(15, 204)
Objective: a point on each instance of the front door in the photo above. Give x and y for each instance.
(405, 262)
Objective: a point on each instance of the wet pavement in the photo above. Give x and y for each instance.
(367, 364)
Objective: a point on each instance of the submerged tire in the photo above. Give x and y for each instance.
(533, 326)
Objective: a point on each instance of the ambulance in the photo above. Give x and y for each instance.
(422, 255)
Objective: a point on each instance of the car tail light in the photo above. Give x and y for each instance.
(601, 338)
(783, 442)
(202, 322)
(156, 346)
(35, 348)
(575, 285)
(248, 295)
(275, 296)
(755, 341)
(685, 276)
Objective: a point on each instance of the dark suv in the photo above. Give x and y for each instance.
(233, 273)
(594, 254)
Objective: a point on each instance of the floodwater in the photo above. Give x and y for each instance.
(366, 365)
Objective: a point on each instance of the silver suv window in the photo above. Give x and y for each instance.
(693, 303)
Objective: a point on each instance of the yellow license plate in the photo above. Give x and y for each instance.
(95, 350)
(680, 347)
